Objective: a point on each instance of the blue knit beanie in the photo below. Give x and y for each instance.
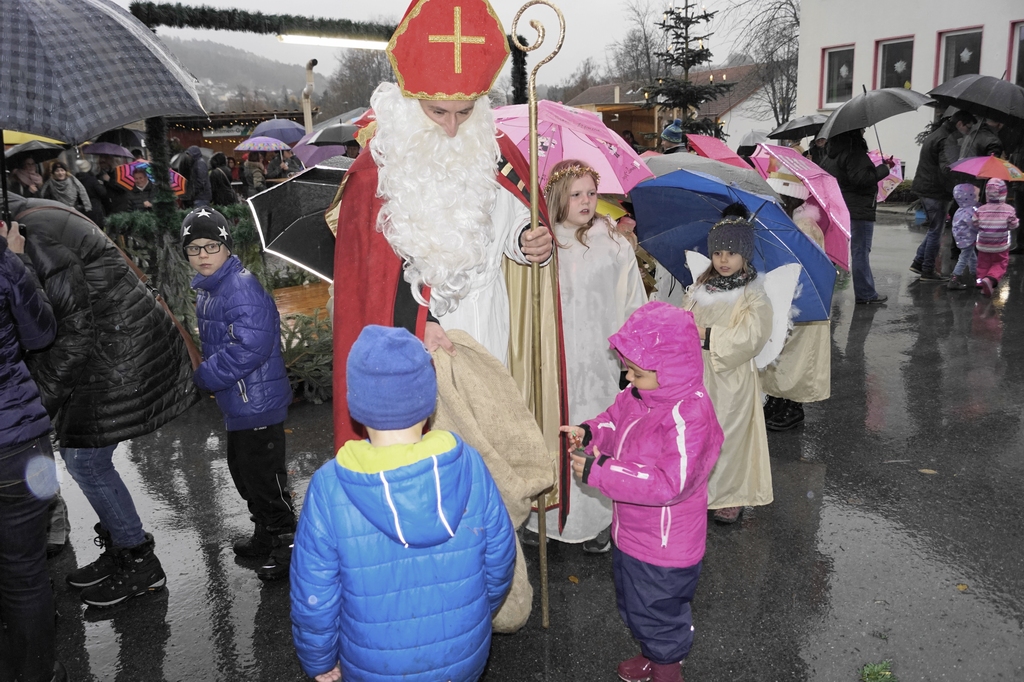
(391, 379)
(673, 132)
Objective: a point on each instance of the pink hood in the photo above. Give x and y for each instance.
(662, 338)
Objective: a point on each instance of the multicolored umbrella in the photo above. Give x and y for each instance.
(891, 181)
(567, 133)
(790, 173)
(123, 177)
(988, 167)
(262, 144)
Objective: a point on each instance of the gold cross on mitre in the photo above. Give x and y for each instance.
(458, 39)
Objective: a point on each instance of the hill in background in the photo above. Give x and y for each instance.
(231, 79)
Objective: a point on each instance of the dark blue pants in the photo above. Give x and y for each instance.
(28, 479)
(654, 602)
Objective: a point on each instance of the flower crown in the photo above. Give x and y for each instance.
(576, 170)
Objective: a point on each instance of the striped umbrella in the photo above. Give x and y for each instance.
(123, 177)
(262, 144)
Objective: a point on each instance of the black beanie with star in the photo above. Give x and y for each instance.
(205, 223)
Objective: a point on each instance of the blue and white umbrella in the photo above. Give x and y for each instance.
(675, 212)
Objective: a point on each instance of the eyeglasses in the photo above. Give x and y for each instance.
(194, 250)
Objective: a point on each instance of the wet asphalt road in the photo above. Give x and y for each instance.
(895, 532)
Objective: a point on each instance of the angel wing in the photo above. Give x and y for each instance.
(780, 285)
(697, 263)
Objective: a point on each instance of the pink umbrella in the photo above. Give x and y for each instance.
(262, 144)
(567, 133)
(887, 184)
(784, 168)
(713, 148)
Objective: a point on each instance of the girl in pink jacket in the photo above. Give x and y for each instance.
(994, 221)
(651, 453)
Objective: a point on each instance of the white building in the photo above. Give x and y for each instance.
(846, 46)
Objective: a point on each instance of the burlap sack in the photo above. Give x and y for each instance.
(478, 399)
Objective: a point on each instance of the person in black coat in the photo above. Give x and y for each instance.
(848, 161)
(197, 191)
(118, 369)
(95, 189)
(28, 476)
(116, 200)
(220, 181)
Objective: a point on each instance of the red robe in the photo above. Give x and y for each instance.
(368, 274)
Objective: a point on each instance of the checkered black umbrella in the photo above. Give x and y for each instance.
(71, 69)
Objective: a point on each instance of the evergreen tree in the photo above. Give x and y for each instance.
(687, 49)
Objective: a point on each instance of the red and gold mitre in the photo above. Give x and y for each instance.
(448, 49)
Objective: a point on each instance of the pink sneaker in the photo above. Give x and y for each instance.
(986, 287)
(636, 669)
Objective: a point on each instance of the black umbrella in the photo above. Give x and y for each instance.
(181, 159)
(290, 217)
(73, 69)
(983, 96)
(799, 128)
(337, 134)
(867, 109)
(36, 149)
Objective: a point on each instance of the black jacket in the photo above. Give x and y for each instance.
(220, 182)
(932, 177)
(137, 198)
(97, 196)
(198, 190)
(981, 141)
(858, 177)
(118, 368)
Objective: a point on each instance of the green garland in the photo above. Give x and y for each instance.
(178, 15)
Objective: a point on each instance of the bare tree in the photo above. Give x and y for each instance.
(634, 58)
(770, 34)
(586, 75)
(358, 74)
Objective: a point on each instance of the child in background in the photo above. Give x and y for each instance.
(651, 452)
(734, 316)
(600, 287)
(242, 365)
(404, 549)
(994, 220)
(965, 234)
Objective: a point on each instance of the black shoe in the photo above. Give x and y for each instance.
(877, 299)
(601, 544)
(276, 566)
(772, 406)
(956, 283)
(102, 568)
(792, 416)
(138, 572)
(529, 538)
(258, 545)
(59, 673)
(915, 267)
(932, 276)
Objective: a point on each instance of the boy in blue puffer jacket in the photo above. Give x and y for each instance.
(242, 365)
(404, 548)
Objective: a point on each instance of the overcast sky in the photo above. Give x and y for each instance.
(591, 25)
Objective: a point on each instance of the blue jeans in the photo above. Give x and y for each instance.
(935, 210)
(28, 479)
(861, 233)
(94, 472)
(968, 261)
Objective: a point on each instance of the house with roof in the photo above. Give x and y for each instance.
(623, 107)
(882, 44)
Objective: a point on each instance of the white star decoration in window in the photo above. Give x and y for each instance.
(900, 66)
(844, 71)
(965, 56)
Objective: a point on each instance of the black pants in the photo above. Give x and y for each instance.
(256, 460)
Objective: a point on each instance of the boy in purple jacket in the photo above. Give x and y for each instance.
(651, 453)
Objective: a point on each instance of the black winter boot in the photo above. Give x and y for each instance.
(102, 568)
(258, 545)
(276, 567)
(138, 572)
(791, 416)
(773, 407)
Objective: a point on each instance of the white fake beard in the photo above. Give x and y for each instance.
(439, 192)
